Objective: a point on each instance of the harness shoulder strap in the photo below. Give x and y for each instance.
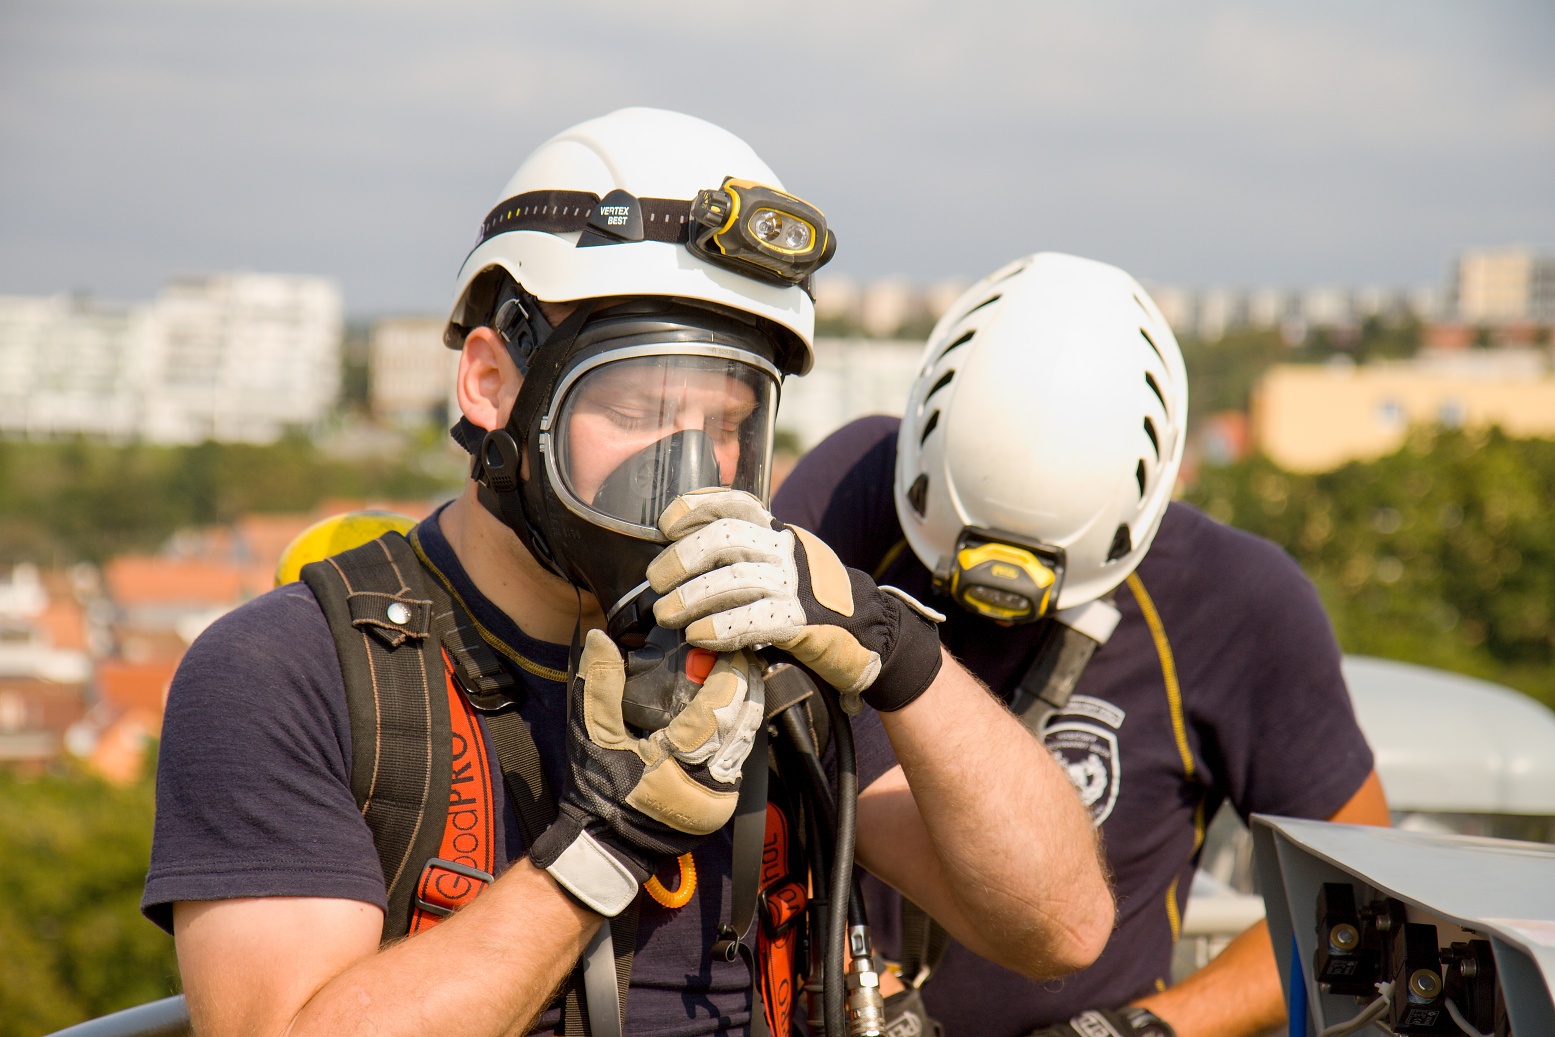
(603, 975)
(401, 735)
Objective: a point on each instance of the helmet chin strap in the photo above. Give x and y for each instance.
(497, 465)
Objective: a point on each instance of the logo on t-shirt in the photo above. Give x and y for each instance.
(1088, 752)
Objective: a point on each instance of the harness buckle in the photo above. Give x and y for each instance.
(457, 898)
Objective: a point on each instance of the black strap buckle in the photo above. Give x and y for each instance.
(485, 878)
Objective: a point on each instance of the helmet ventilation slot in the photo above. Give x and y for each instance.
(1139, 476)
(928, 426)
(918, 493)
(986, 302)
(944, 380)
(963, 340)
(1154, 439)
(1122, 544)
(1155, 387)
(1153, 346)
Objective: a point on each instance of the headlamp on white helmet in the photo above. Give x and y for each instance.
(1042, 438)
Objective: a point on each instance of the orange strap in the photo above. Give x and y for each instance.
(465, 860)
(783, 901)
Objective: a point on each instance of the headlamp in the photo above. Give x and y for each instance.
(1002, 577)
(750, 227)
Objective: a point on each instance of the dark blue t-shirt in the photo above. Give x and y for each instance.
(1255, 712)
(254, 794)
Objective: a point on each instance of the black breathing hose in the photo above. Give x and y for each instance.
(842, 862)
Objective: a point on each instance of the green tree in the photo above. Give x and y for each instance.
(73, 944)
(1442, 553)
(78, 501)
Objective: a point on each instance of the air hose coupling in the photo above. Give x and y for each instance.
(865, 1005)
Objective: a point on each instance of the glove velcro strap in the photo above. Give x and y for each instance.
(911, 657)
(593, 875)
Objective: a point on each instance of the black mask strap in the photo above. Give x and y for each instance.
(498, 462)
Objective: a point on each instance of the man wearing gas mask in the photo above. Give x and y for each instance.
(1170, 663)
(625, 322)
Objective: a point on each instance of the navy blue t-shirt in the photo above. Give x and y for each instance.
(254, 794)
(1255, 712)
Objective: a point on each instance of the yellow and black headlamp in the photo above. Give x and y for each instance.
(1002, 577)
(760, 231)
(750, 228)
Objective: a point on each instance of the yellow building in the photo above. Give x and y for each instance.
(1311, 418)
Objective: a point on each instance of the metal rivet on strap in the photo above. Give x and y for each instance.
(398, 613)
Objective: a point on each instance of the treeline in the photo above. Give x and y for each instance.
(73, 944)
(1223, 371)
(1441, 554)
(85, 501)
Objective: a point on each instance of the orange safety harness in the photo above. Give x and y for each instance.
(416, 718)
(467, 857)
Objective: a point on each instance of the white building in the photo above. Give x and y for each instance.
(231, 357)
(242, 357)
(852, 377)
(410, 374)
(71, 366)
(1505, 285)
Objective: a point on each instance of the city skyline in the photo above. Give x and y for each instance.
(1291, 144)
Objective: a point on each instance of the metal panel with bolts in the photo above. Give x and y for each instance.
(1497, 889)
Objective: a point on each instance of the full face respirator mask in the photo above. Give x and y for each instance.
(623, 409)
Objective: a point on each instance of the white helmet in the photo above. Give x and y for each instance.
(656, 163)
(1042, 437)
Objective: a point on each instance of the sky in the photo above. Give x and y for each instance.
(1192, 143)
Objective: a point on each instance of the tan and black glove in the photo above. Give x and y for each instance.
(734, 578)
(632, 802)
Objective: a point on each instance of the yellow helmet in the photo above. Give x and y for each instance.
(334, 535)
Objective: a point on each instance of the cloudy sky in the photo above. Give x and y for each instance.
(1199, 143)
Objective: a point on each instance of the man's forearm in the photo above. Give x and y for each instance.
(487, 971)
(1236, 995)
(1015, 845)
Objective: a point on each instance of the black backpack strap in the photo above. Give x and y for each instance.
(1072, 637)
(924, 942)
(375, 600)
(490, 688)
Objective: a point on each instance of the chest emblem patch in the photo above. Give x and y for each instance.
(1088, 753)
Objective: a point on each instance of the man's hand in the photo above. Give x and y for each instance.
(630, 802)
(1119, 1022)
(734, 578)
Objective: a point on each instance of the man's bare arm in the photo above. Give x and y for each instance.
(298, 967)
(1239, 993)
(981, 829)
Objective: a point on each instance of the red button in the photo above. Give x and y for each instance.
(699, 663)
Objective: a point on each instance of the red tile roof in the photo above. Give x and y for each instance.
(146, 580)
(136, 684)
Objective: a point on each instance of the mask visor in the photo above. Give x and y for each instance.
(635, 432)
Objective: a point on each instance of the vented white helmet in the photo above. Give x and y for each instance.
(1050, 408)
(653, 156)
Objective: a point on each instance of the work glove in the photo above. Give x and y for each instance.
(733, 578)
(629, 802)
(1129, 1021)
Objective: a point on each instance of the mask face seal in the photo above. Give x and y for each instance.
(1002, 577)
